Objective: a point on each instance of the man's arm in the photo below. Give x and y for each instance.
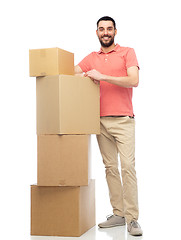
(78, 71)
(131, 80)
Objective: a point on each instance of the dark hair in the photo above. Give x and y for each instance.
(107, 18)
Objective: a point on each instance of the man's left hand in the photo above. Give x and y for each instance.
(94, 75)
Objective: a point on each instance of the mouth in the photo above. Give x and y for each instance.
(106, 38)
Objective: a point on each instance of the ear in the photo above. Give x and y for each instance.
(115, 31)
(96, 32)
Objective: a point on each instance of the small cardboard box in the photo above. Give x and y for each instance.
(50, 61)
(67, 105)
(62, 211)
(63, 160)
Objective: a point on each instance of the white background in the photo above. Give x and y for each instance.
(152, 28)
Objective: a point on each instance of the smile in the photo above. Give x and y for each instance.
(106, 38)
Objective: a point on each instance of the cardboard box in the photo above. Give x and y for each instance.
(63, 160)
(62, 211)
(50, 61)
(67, 105)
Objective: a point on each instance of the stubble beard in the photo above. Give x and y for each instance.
(106, 44)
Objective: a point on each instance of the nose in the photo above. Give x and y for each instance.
(105, 31)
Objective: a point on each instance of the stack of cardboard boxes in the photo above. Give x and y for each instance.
(63, 201)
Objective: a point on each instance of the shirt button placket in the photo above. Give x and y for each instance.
(106, 58)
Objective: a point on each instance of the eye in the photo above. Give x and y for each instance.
(101, 29)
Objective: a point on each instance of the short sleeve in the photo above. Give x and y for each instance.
(85, 64)
(131, 59)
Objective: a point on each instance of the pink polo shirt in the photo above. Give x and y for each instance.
(114, 100)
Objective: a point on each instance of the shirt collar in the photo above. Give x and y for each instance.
(115, 49)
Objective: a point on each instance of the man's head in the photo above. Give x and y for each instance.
(106, 31)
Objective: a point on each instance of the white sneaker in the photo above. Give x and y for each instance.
(112, 221)
(134, 229)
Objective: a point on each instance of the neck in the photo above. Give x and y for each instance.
(108, 49)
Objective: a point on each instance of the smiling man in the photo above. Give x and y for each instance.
(116, 69)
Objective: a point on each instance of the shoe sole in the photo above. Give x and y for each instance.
(115, 225)
(135, 234)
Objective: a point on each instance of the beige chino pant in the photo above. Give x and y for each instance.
(118, 137)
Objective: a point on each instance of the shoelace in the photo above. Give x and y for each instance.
(135, 224)
(109, 216)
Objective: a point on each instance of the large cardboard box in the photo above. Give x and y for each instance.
(50, 61)
(63, 160)
(62, 211)
(67, 105)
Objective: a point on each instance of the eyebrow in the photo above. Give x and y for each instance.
(110, 27)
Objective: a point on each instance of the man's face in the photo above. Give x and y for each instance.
(106, 33)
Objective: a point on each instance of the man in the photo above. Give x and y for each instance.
(116, 69)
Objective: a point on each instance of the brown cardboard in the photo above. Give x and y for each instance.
(63, 160)
(50, 61)
(67, 105)
(62, 211)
